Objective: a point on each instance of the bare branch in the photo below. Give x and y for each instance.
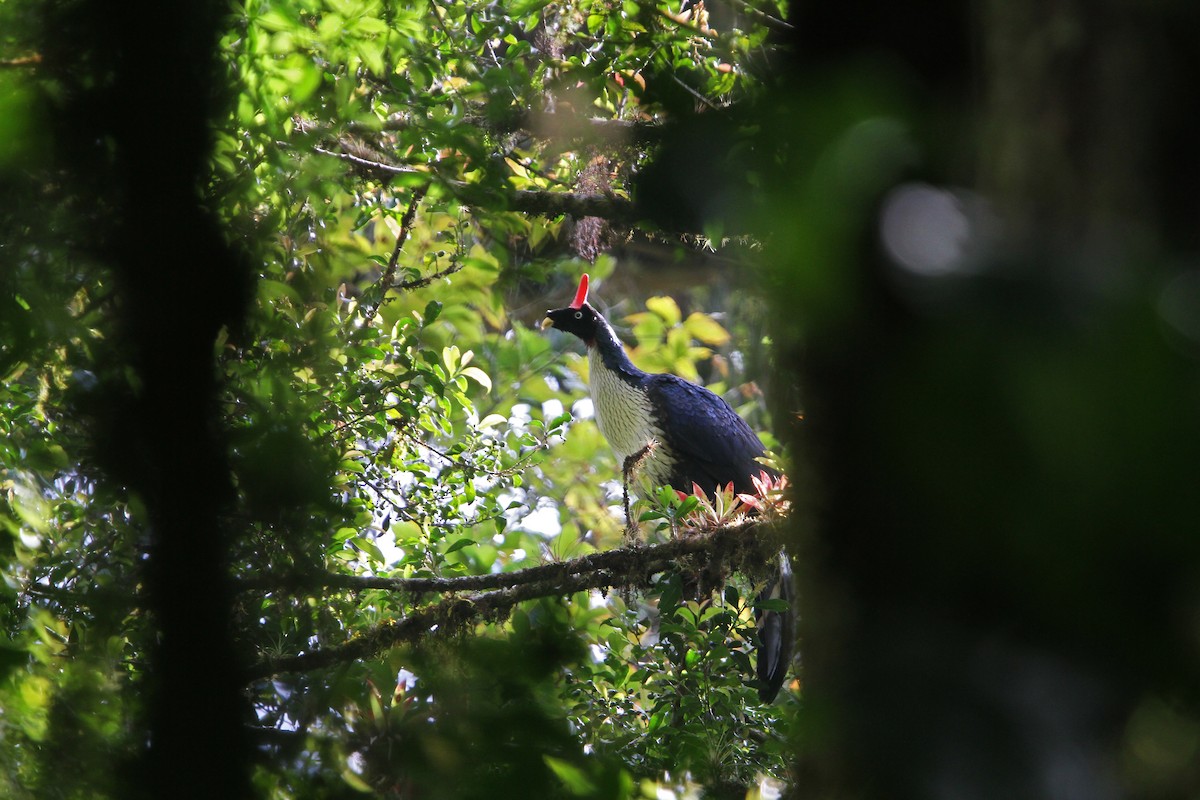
(617, 560)
(577, 204)
(378, 168)
(540, 124)
(389, 275)
(596, 130)
(685, 21)
(417, 283)
(528, 201)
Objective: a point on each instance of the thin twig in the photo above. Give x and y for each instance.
(389, 274)
(539, 123)
(417, 283)
(699, 97)
(470, 469)
(373, 166)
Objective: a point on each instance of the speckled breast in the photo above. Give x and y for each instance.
(624, 415)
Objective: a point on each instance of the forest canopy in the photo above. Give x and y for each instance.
(296, 499)
(293, 484)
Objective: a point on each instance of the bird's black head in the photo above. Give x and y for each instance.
(578, 318)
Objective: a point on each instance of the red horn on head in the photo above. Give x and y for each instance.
(581, 294)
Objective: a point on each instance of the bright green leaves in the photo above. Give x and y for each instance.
(456, 367)
(665, 309)
(434, 93)
(665, 339)
(705, 329)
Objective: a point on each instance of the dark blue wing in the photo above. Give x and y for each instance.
(712, 446)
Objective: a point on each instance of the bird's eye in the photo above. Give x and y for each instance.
(578, 315)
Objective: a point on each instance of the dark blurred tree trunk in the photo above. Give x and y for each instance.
(1073, 109)
(999, 544)
(139, 94)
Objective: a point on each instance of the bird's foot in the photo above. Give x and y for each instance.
(633, 534)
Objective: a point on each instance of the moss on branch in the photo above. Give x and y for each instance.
(744, 547)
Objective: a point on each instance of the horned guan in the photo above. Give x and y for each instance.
(694, 438)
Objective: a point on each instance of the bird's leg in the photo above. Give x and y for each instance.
(631, 465)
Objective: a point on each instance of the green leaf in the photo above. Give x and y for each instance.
(451, 357)
(354, 782)
(574, 778)
(406, 531)
(274, 290)
(669, 599)
(665, 307)
(459, 544)
(433, 309)
(491, 421)
(350, 465)
(369, 547)
(479, 376)
(705, 329)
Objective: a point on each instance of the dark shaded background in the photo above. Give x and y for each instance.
(139, 89)
(1000, 568)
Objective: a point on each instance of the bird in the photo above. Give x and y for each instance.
(680, 434)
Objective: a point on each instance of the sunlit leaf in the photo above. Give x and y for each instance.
(491, 421)
(477, 375)
(666, 308)
(706, 329)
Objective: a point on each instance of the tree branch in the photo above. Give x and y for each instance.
(540, 124)
(572, 127)
(577, 204)
(629, 567)
(528, 201)
(31, 60)
(617, 559)
(389, 274)
(425, 280)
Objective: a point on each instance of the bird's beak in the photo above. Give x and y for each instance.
(547, 323)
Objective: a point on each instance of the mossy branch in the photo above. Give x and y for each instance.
(741, 546)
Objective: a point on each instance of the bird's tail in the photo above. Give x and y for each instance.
(776, 631)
